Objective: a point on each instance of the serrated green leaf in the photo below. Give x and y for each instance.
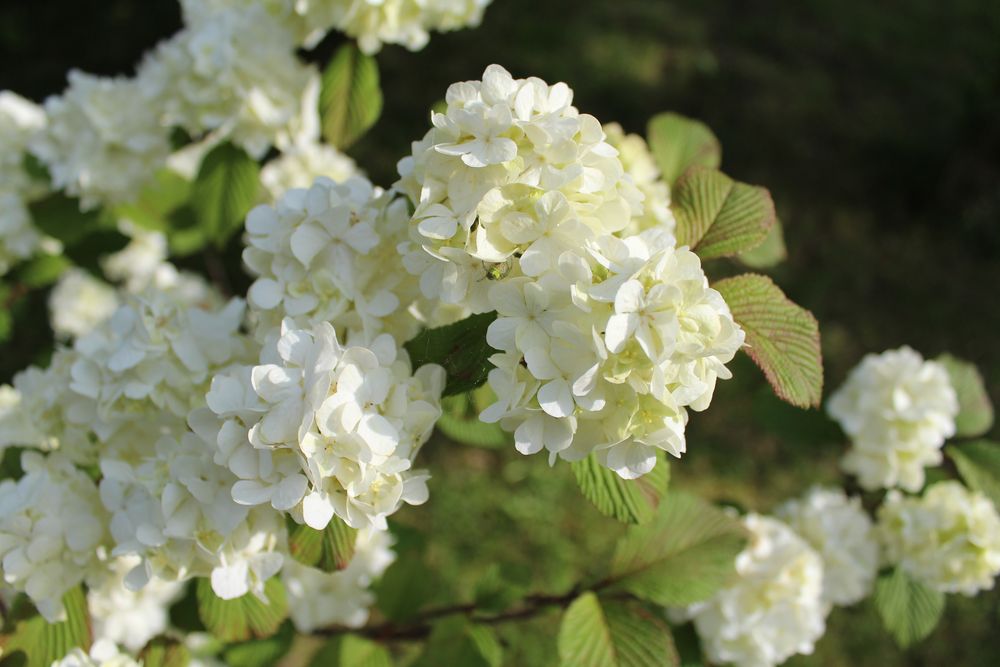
(330, 549)
(975, 410)
(602, 633)
(460, 422)
(43, 643)
(42, 270)
(769, 253)
(979, 464)
(456, 641)
(683, 555)
(678, 143)
(351, 651)
(151, 209)
(460, 347)
(910, 611)
(350, 99)
(260, 652)
(717, 216)
(165, 652)
(224, 191)
(245, 617)
(628, 500)
(781, 337)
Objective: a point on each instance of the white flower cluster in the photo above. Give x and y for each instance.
(640, 165)
(318, 599)
(606, 340)
(103, 653)
(79, 302)
(324, 254)
(52, 526)
(774, 610)
(898, 410)
(840, 530)
(377, 22)
(948, 539)
(322, 430)
(20, 120)
(104, 138)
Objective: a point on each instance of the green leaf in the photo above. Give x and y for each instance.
(455, 641)
(330, 549)
(405, 587)
(165, 652)
(769, 253)
(260, 652)
(460, 420)
(42, 270)
(979, 464)
(224, 191)
(781, 337)
(501, 585)
(602, 633)
(909, 610)
(88, 251)
(679, 143)
(684, 555)
(460, 347)
(43, 643)
(245, 617)
(350, 99)
(351, 651)
(718, 216)
(60, 217)
(975, 411)
(628, 500)
(152, 207)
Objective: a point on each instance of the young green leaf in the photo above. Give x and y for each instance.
(460, 347)
(351, 651)
(979, 464)
(628, 500)
(460, 420)
(975, 411)
(245, 617)
(769, 253)
(678, 143)
(781, 337)
(41, 642)
(151, 208)
(165, 652)
(909, 610)
(42, 270)
(602, 633)
(719, 217)
(455, 641)
(350, 99)
(682, 556)
(330, 549)
(60, 217)
(224, 191)
(260, 652)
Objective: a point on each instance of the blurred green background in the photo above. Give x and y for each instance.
(876, 126)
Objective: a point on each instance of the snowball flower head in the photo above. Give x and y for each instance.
(327, 430)
(839, 529)
(639, 164)
(103, 653)
(774, 609)
(948, 539)
(20, 121)
(898, 409)
(104, 139)
(51, 526)
(79, 302)
(301, 164)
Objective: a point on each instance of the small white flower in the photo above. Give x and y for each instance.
(79, 302)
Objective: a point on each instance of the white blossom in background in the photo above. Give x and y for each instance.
(840, 530)
(301, 164)
(233, 72)
(104, 139)
(318, 599)
(328, 430)
(606, 339)
(948, 539)
(79, 302)
(20, 120)
(774, 609)
(327, 254)
(137, 264)
(103, 653)
(898, 410)
(129, 618)
(640, 165)
(51, 528)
